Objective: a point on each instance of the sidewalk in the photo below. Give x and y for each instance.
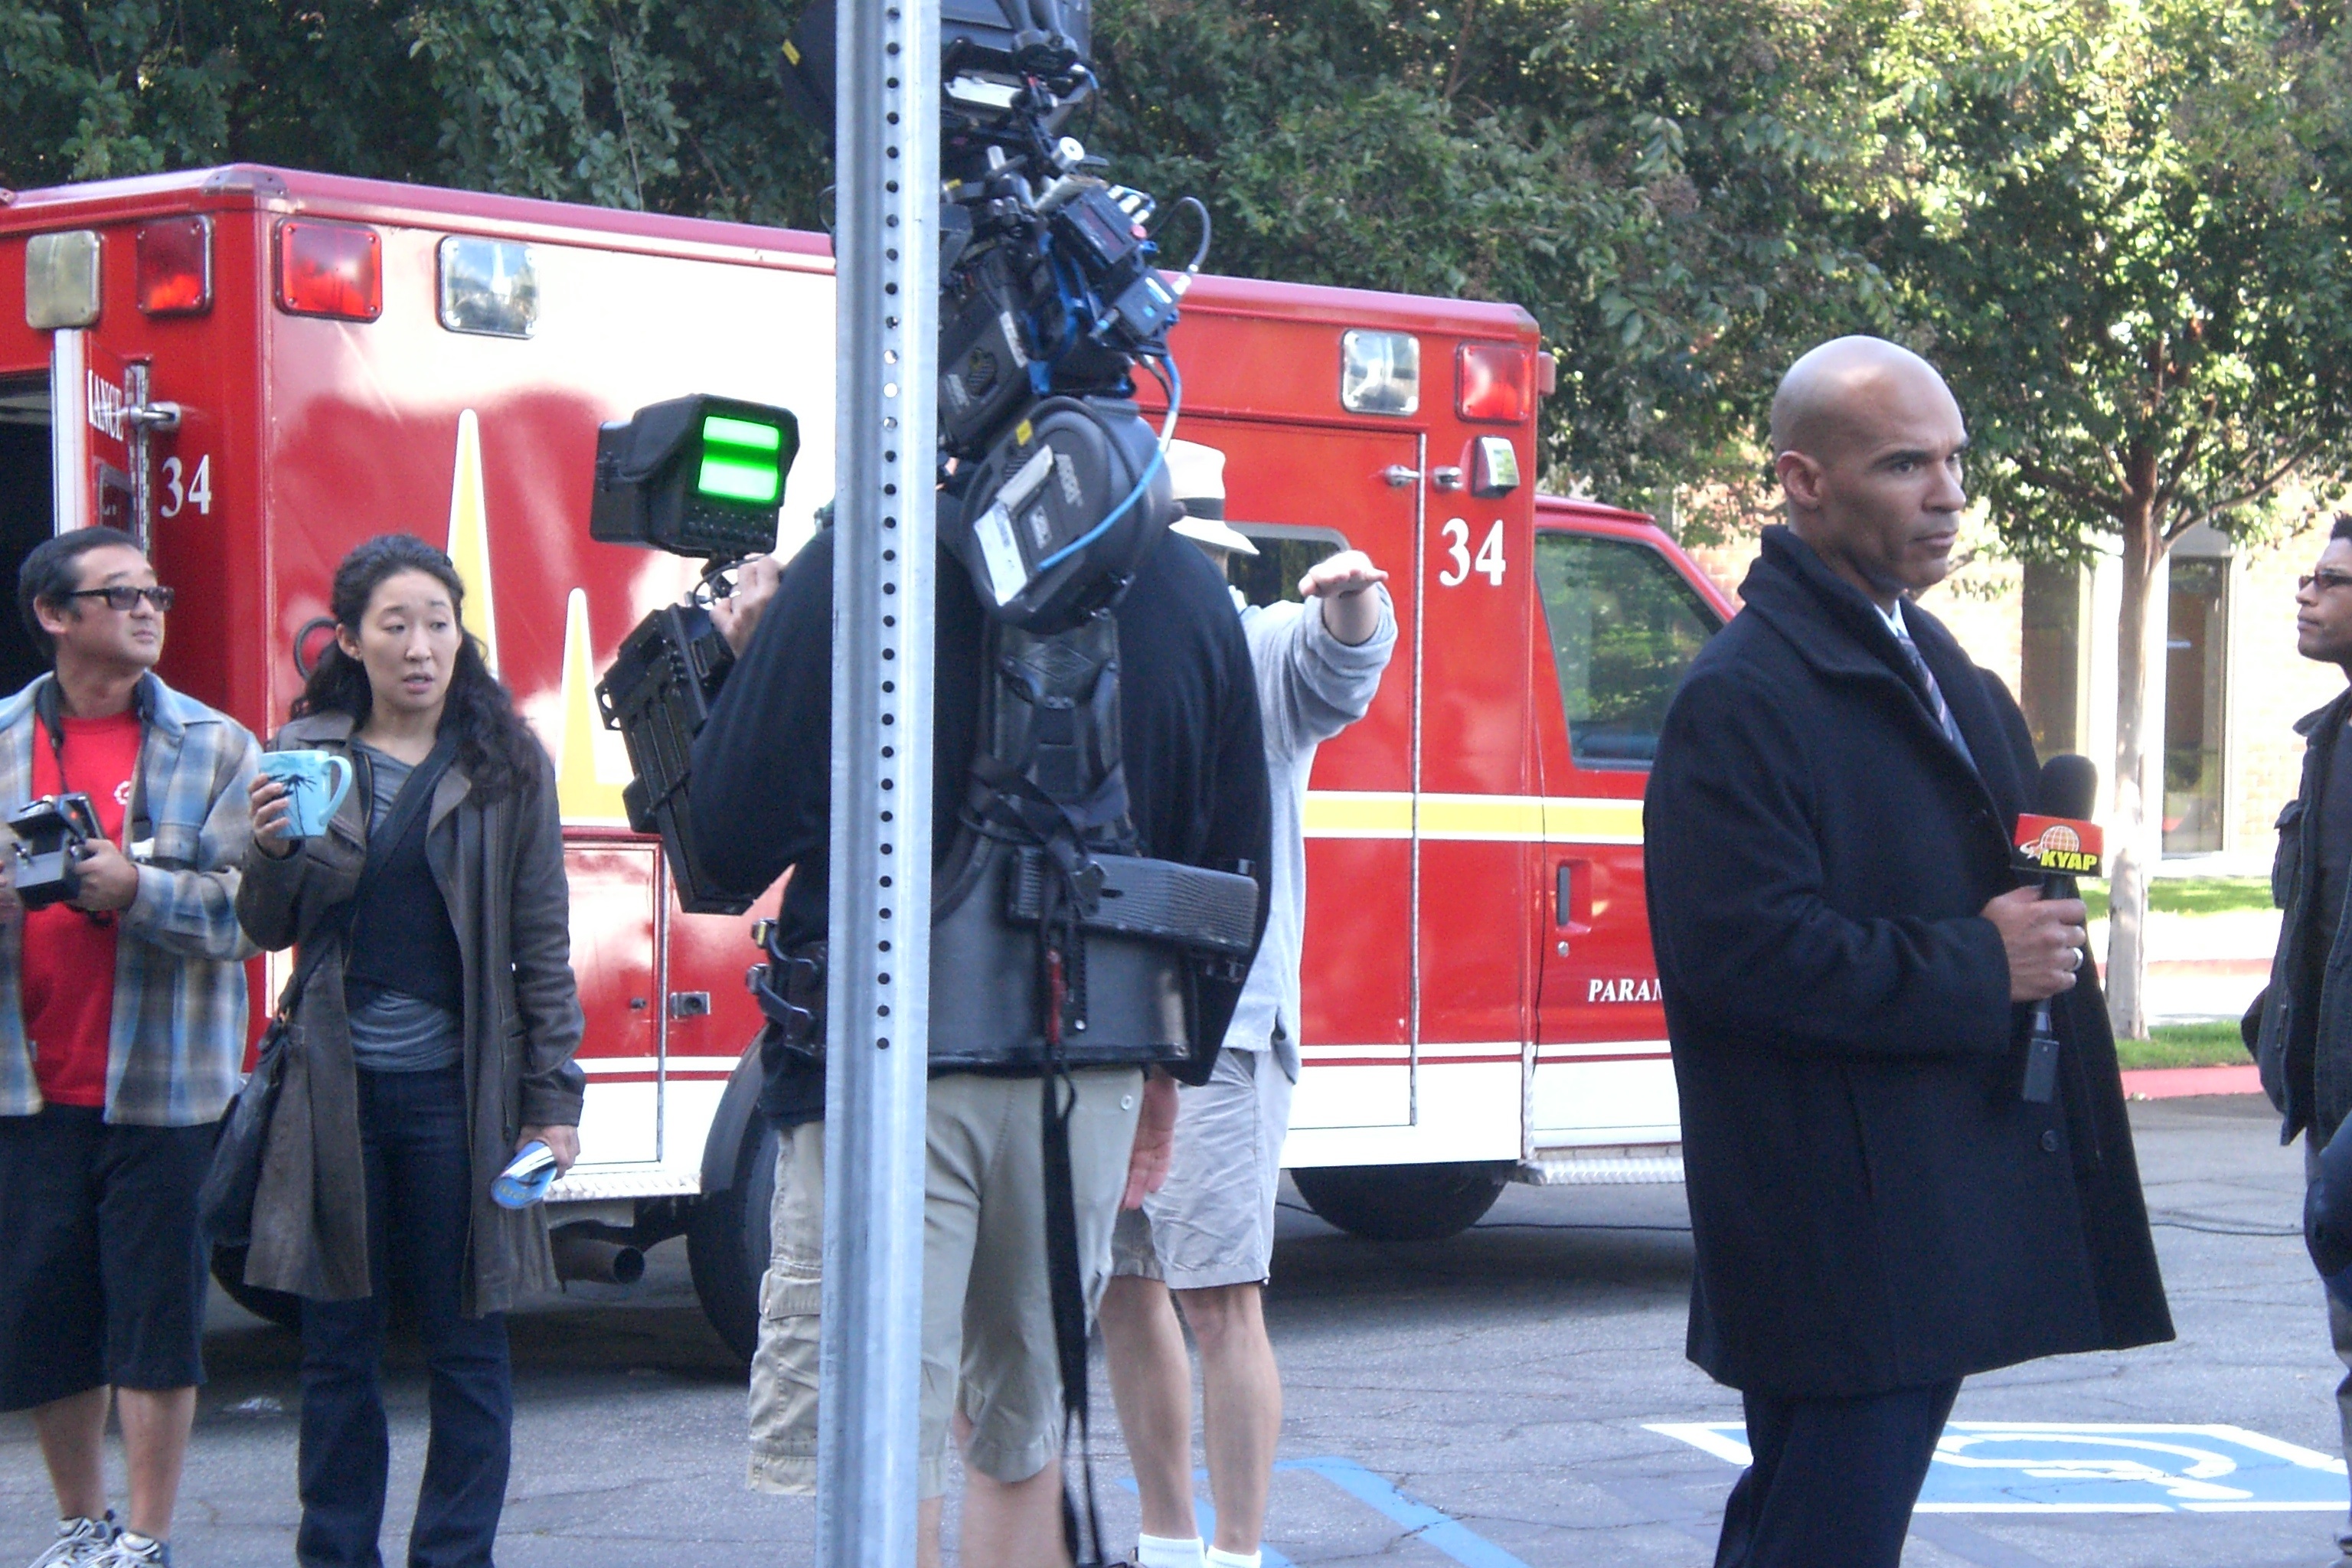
(2203, 968)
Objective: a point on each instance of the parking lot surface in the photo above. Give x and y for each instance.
(1515, 1396)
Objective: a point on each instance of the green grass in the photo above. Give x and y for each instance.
(2185, 1046)
(2191, 895)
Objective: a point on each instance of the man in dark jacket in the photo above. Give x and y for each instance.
(2303, 1028)
(1847, 961)
(1194, 766)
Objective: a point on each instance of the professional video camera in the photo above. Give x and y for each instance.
(49, 835)
(1053, 487)
(1050, 298)
(699, 476)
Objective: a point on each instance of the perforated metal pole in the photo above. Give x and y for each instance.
(886, 258)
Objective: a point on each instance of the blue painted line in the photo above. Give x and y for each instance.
(1421, 1521)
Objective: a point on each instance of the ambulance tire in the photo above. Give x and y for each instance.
(1402, 1203)
(279, 1307)
(726, 1240)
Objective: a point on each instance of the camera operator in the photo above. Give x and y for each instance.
(1195, 775)
(123, 1021)
(1207, 1237)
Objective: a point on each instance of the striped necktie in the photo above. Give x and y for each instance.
(1935, 703)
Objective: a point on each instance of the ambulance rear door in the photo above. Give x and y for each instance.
(1302, 493)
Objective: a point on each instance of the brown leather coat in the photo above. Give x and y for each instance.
(500, 867)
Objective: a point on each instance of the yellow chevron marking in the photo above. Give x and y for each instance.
(469, 537)
(1508, 818)
(583, 791)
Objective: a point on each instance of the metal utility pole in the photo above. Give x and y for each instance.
(886, 252)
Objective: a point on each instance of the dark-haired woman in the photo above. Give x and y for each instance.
(436, 1023)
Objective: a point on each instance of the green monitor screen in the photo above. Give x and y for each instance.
(740, 461)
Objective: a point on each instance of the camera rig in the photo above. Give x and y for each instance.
(1052, 489)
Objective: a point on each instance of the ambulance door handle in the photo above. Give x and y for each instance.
(1571, 913)
(1399, 476)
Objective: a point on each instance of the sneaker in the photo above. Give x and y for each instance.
(130, 1550)
(79, 1542)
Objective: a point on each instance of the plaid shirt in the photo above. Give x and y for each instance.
(177, 1044)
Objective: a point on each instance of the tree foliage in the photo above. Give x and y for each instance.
(2121, 231)
(1656, 183)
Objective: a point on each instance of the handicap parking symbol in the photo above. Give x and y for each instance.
(2070, 1467)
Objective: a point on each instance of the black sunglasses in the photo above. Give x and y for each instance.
(126, 599)
(2325, 580)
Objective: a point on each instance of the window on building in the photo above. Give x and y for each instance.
(2194, 685)
(1624, 625)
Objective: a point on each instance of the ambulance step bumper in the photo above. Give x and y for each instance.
(1603, 1167)
(609, 1182)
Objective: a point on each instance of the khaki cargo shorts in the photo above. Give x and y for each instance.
(988, 1322)
(1213, 1223)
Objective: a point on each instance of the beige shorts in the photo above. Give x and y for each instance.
(1213, 1223)
(988, 1322)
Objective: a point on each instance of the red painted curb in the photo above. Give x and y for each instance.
(2175, 1083)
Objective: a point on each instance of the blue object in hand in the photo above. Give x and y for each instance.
(526, 1179)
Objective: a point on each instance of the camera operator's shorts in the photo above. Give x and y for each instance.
(101, 1278)
(988, 1322)
(1213, 1223)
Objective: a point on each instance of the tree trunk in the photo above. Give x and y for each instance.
(2136, 838)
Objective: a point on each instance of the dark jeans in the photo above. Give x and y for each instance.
(412, 1137)
(1833, 1479)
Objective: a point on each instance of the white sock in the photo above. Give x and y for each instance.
(1220, 1559)
(1167, 1551)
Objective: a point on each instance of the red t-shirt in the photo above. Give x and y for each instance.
(68, 970)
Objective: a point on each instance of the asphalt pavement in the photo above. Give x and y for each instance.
(1491, 1401)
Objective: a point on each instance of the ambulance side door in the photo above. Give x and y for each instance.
(1622, 625)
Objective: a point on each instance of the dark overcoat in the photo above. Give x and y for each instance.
(1873, 1205)
(499, 867)
(2304, 1039)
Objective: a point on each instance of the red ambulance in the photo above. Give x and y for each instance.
(257, 368)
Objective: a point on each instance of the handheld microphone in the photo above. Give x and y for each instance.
(2060, 841)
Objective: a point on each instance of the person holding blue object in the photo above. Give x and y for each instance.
(2300, 1028)
(1879, 1205)
(437, 1016)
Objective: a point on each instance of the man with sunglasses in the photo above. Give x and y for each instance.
(2301, 1025)
(122, 1023)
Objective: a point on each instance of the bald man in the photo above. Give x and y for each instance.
(1877, 1209)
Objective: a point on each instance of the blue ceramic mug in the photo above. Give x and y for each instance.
(311, 803)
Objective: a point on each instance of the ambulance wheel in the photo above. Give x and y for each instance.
(726, 1240)
(278, 1307)
(1401, 1203)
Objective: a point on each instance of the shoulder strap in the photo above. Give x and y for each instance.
(416, 798)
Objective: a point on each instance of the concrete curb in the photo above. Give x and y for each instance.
(2175, 1083)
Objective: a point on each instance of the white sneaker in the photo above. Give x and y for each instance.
(79, 1543)
(128, 1549)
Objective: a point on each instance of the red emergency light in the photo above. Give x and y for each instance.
(176, 266)
(1491, 382)
(330, 269)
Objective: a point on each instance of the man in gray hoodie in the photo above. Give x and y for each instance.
(1206, 1238)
